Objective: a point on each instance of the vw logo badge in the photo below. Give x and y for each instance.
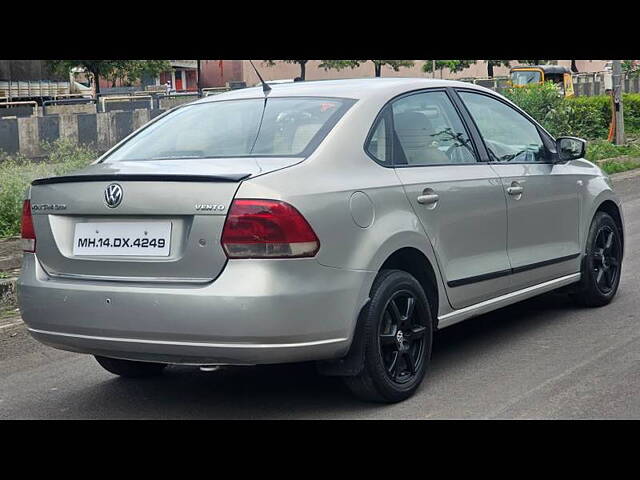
(113, 195)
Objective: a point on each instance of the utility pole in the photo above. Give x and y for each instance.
(433, 69)
(617, 101)
(198, 77)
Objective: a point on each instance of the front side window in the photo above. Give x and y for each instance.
(507, 134)
(236, 128)
(428, 131)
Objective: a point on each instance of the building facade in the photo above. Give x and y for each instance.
(183, 75)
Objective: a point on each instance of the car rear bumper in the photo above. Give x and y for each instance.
(256, 311)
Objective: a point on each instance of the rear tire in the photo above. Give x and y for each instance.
(129, 368)
(602, 264)
(398, 334)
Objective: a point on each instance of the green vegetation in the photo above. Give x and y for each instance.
(614, 166)
(586, 117)
(601, 149)
(452, 65)
(17, 172)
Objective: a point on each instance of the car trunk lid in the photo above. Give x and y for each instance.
(179, 204)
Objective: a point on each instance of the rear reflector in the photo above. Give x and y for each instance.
(27, 231)
(267, 229)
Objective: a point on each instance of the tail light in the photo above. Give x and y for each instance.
(27, 231)
(267, 229)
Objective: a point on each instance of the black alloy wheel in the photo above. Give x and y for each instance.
(606, 256)
(402, 337)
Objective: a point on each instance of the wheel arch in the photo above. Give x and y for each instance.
(416, 263)
(412, 260)
(611, 208)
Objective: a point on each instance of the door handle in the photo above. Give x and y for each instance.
(515, 189)
(428, 199)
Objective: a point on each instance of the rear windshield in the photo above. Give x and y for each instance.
(281, 127)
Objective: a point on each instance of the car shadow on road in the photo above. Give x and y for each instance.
(297, 391)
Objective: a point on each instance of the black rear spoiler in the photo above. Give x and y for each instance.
(227, 177)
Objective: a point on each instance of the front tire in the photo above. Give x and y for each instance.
(129, 368)
(398, 334)
(602, 264)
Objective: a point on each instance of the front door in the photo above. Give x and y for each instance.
(179, 80)
(459, 200)
(543, 204)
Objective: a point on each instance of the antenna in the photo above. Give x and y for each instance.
(265, 87)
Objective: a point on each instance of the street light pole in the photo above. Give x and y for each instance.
(617, 101)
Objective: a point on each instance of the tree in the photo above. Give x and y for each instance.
(302, 63)
(574, 67)
(395, 65)
(631, 67)
(131, 70)
(496, 63)
(534, 62)
(452, 65)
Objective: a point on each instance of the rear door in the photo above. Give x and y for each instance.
(543, 204)
(459, 200)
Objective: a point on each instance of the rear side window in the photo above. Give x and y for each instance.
(378, 145)
(429, 131)
(291, 126)
(421, 129)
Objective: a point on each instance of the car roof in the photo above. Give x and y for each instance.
(355, 88)
(544, 68)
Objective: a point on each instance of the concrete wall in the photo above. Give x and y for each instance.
(99, 130)
(70, 108)
(170, 102)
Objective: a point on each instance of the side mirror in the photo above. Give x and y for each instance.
(570, 148)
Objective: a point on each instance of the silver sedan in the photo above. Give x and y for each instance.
(341, 222)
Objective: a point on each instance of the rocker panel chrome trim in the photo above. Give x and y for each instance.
(504, 300)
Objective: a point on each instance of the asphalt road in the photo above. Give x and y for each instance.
(541, 359)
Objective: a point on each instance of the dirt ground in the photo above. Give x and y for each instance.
(10, 258)
(10, 247)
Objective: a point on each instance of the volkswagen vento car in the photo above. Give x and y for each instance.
(341, 222)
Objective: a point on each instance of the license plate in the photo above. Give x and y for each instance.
(122, 238)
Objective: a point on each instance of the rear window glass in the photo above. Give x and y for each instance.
(290, 126)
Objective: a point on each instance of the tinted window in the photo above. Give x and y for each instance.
(428, 131)
(235, 128)
(509, 136)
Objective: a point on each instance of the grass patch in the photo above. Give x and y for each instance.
(601, 149)
(17, 172)
(614, 166)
